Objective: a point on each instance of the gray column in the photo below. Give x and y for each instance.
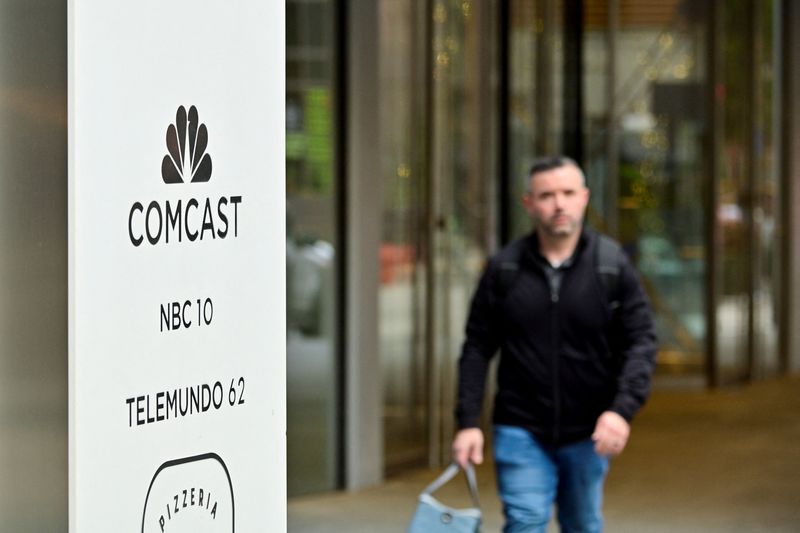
(364, 399)
(33, 266)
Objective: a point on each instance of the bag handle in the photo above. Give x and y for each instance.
(451, 472)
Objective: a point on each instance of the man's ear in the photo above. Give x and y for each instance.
(527, 201)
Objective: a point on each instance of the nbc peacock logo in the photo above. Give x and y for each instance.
(187, 141)
(196, 219)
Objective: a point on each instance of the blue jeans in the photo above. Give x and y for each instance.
(531, 478)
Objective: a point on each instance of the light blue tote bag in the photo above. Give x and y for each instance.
(432, 516)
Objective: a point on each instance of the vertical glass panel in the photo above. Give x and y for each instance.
(733, 213)
(656, 162)
(436, 205)
(402, 296)
(597, 114)
(33, 266)
(462, 167)
(766, 209)
(312, 368)
(535, 85)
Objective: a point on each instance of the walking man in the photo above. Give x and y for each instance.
(577, 342)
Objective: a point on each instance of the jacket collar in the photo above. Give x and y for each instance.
(533, 254)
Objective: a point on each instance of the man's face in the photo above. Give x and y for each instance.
(557, 201)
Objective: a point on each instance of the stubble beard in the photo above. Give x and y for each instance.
(560, 231)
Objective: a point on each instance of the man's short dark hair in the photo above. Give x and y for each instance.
(545, 164)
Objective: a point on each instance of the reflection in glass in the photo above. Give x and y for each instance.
(312, 388)
(768, 190)
(429, 266)
(733, 210)
(658, 127)
(402, 303)
(462, 166)
(536, 97)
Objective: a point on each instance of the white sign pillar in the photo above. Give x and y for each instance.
(177, 266)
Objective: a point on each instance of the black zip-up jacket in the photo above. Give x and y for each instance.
(566, 356)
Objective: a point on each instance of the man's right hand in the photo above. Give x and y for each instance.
(468, 447)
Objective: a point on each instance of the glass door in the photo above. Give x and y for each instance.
(535, 88)
(645, 126)
(403, 254)
(437, 146)
(463, 188)
(643, 121)
(768, 186)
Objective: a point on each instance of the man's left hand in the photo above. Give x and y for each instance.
(611, 434)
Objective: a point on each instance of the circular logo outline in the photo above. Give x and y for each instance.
(191, 459)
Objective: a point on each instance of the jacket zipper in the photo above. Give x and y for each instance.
(556, 387)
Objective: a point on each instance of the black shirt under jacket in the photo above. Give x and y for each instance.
(566, 357)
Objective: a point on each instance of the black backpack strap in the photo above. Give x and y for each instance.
(609, 259)
(507, 271)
